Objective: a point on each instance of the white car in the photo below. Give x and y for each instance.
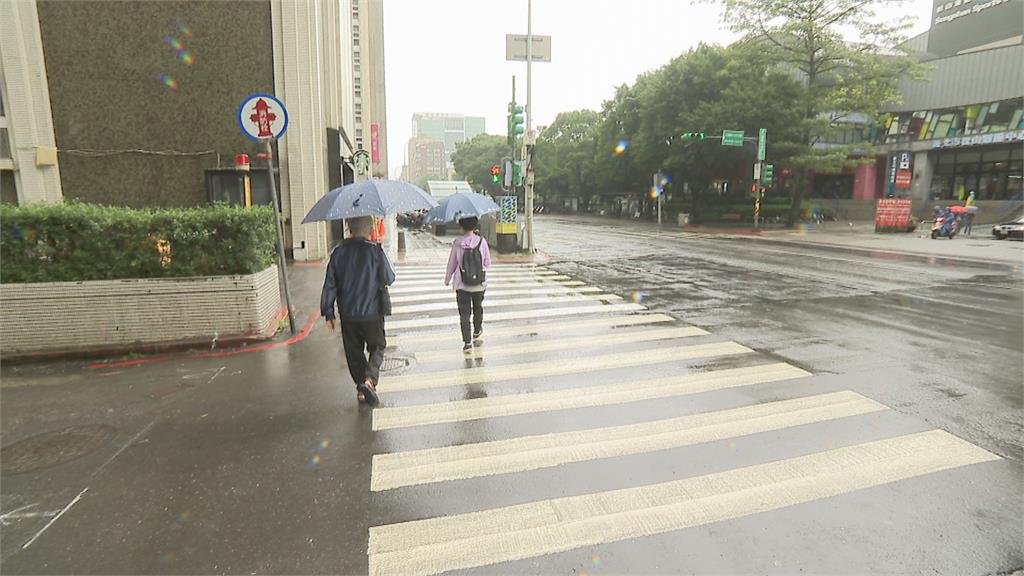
(1013, 230)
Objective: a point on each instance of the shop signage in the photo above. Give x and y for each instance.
(892, 213)
(904, 170)
(959, 8)
(980, 139)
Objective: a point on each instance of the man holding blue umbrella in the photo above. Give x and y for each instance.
(359, 272)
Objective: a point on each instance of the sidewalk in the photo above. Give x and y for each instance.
(979, 246)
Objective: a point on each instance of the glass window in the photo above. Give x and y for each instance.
(8, 187)
(943, 126)
(996, 155)
(5, 144)
(968, 158)
(1000, 115)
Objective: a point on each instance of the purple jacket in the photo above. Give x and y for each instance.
(455, 258)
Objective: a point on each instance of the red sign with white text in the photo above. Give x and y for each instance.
(375, 143)
(892, 213)
(903, 178)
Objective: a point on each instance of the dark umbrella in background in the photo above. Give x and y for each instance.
(461, 205)
(370, 198)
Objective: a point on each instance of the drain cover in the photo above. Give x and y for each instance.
(52, 448)
(394, 363)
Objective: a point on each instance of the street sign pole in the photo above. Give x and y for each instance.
(281, 263)
(655, 183)
(269, 122)
(528, 152)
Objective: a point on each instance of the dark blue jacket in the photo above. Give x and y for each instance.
(353, 280)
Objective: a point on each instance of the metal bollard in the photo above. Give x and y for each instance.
(401, 241)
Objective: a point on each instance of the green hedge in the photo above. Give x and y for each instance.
(72, 242)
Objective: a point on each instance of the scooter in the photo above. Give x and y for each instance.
(946, 224)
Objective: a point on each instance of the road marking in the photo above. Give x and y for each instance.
(488, 537)
(441, 337)
(546, 368)
(585, 397)
(440, 288)
(581, 343)
(553, 290)
(55, 518)
(439, 280)
(435, 321)
(550, 300)
(549, 450)
(491, 273)
(495, 266)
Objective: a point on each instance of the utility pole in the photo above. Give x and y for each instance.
(657, 190)
(528, 137)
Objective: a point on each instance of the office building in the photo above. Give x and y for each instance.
(368, 83)
(451, 129)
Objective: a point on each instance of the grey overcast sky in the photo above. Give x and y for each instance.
(449, 55)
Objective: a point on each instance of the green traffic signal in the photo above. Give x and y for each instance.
(515, 121)
(769, 173)
(693, 136)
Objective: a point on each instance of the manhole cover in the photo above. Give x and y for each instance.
(394, 363)
(53, 448)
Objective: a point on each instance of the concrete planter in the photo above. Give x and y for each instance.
(105, 315)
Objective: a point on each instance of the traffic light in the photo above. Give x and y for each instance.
(769, 173)
(693, 136)
(515, 122)
(495, 174)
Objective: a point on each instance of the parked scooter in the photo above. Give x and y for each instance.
(946, 224)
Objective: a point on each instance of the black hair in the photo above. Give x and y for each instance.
(469, 224)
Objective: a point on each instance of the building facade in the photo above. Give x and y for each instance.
(959, 130)
(427, 160)
(450, 129)
(135, 103)
(368, 85)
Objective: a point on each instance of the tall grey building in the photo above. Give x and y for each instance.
(368, 82)
(451, 129)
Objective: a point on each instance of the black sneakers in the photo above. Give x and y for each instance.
(478, 334)
(467, 347)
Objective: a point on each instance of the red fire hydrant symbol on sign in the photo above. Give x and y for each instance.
(263, 117)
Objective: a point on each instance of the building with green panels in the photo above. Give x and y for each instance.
(452, 129)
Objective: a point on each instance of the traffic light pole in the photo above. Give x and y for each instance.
(528, 137)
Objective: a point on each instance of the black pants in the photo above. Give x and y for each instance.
(361, 337)
(470, 302)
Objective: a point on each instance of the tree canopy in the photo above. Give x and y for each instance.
(474, 158)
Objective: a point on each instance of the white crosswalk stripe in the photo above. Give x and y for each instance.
(530, 314)
(443, 337)
(499, 293)
(551, 300)
(585, 397)
(487, 537)
(582, 343)
(534, 452)
(519, 371)
(552, 326)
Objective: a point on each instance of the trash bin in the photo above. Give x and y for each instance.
(684, 219)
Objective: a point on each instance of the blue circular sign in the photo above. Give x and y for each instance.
(263, 116)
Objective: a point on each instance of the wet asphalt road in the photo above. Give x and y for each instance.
(261, 463)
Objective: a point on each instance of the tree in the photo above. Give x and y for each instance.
(564, 156)
(474, 158)
(839, 79)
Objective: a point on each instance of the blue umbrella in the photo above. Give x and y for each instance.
(370, 198)
(460, 205)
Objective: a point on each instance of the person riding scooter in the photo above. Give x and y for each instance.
(946, 223)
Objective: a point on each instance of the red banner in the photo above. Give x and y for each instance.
(892, 213)
(903, 178)
(375, 143)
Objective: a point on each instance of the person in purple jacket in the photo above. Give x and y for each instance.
(468, 295)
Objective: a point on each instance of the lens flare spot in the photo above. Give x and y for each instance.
(324, 443)
(174, 43)
(184, 30)
(184, 516)
(637, 297)
(169, 82)
(621, 147)
(186, 57)
(595, 560)
(314, 460)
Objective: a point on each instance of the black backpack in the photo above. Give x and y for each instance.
(472, 269)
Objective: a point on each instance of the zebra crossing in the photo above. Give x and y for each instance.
(556, 348)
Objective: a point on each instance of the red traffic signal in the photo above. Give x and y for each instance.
(495, 170)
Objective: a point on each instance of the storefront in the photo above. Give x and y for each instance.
(993, 172)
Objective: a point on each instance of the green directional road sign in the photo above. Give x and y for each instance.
(732, 138)
(762, 142)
